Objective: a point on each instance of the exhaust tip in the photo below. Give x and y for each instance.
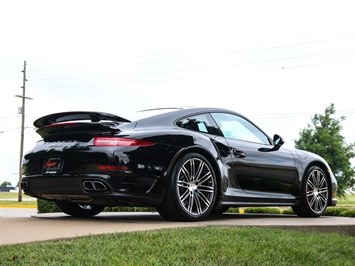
(99, 186)
(95, 185)
(24, 185)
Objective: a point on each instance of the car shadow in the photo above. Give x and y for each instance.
(154, 217)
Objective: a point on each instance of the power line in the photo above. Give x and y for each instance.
(312, 33)
(197, 77)
(288, 115)
(204, 56)
(5, 75)
(7, 130)
(200, 68)
(13, 129)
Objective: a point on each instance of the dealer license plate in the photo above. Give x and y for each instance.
(53, 166)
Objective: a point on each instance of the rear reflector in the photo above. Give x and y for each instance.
(112, 168)
(107, 141)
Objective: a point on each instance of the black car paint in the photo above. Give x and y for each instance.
(148, 167)
(143, 182)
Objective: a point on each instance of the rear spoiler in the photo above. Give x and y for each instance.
(75, 116)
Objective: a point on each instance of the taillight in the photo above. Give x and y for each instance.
(112, 141)
(112, 168)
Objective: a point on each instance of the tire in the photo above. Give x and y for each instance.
(190, 190)
(314, 196)
(79, 210)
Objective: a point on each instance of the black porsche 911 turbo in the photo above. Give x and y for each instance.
(185, 162)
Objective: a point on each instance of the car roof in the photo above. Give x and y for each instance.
(167, 116)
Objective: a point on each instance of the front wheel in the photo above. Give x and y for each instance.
(314, 194)
(190, 190)
(79, 210)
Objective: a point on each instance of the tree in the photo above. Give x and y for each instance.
(5, 184)
(324, 138)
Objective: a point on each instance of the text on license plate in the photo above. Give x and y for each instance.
(53, 166)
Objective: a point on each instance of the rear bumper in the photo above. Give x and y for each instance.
(333, 202)
(96, 189)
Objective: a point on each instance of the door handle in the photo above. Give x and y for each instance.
(239, 154)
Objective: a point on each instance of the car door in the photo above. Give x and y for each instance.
(255, 167)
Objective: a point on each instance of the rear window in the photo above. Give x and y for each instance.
(201, 123)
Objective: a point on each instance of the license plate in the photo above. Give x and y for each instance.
(53, 166)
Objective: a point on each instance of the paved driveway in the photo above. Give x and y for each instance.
(25, 225)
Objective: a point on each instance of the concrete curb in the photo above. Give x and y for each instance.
(19, 206)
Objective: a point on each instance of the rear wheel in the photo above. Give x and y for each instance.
(314, 194)
(79, 210)
(191, 190)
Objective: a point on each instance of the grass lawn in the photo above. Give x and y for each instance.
(349, 201)
(190, 246)
(9, 199)
(13, 195)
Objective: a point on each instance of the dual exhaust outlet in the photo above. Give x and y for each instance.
(88, 185)
(95, 185)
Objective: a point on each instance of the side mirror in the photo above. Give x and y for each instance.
(278, 142)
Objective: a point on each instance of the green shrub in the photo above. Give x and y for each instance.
(232, 210)
(262, 210)
(348, 213)
(129, 209)
(46, 206)
(334, 211)
(288, 211)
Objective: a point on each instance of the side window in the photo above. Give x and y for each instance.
(236, 127)
(202, 123)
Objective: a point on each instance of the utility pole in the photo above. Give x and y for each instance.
(23, 96)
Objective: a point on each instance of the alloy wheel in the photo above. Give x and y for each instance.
(317, 191)
(196, 186)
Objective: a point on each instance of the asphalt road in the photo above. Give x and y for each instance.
(26, 226)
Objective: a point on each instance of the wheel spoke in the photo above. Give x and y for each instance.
(310, 193)
(323, 189)
(207, 189)
(184, 196)
(310, 184)
(199, 171)
(312, 200)
(204, 178)
(318, 204)
(321, 183)
(320, 179)
(186, 173)
(198, 205)
(192, 170)
(205, 200)
(190, 202)
(183, 184)
(323, 196)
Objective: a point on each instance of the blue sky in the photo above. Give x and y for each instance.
(277, 62)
